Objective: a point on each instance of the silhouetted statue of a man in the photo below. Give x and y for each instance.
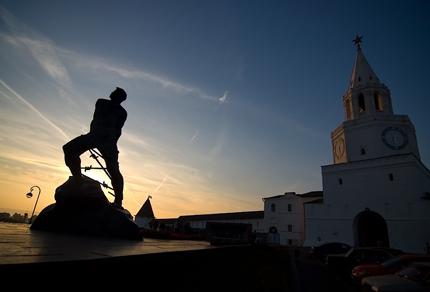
(105, 130)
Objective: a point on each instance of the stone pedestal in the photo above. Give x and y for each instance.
(84, 209)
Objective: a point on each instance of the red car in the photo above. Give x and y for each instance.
(415, 278)
(390, 266)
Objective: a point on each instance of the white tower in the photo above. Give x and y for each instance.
(371, 129)
(377, 192)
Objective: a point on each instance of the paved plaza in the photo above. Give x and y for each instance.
(19, 244)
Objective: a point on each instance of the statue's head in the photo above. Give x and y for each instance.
(118, 95)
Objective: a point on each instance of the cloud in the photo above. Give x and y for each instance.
(46, 54)
(50, 56)
(196, 133)
(34, 109)
(133, 139)
(223, 98)
(42, 49)
(128, 73)
(160, 185)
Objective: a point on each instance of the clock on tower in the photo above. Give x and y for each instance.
(394, 138)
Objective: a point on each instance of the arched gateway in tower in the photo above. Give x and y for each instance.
(370, 229)
(376, 165)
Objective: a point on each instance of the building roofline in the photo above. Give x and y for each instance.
(315, 201)
(304, 195)
(224, 216)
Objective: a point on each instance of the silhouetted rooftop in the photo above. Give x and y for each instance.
(305, 195)
(316, 201)
(224, 216)
(146, 210)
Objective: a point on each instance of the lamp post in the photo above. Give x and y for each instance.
(29, 195)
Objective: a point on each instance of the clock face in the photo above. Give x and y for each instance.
(394, 138)
(339, 147)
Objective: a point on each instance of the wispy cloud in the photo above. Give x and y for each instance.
(34, 109)
(128, 73)
(196, 133)
(134, 139)
(160, 185)
(42, 49)
(51, 57)
(223, 98)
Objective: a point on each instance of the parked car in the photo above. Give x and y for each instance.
(343, 263)
(415, 278)
(390, 266)
(321, 252)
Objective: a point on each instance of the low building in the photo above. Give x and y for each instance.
(199, 222)
(284, 214)
(166, 224)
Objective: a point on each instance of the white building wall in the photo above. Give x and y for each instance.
(366, 184)
(281, 218)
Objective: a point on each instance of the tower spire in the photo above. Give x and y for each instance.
(365, 95)
(362, 73)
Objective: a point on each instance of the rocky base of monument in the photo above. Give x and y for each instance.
(84, 209)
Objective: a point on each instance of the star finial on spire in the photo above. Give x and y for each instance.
(357, 41)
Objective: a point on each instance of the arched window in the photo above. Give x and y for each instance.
(361, 103)
(378, 101)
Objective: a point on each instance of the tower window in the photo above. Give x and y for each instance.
(340, 181)
(289, 207)
(391, 177)
(290, 228)
(273, 207)
(363, 151)
(378, 102)
(370, 77)
(361, 103)
(359, 79)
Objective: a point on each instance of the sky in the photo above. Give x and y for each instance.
(228, 101)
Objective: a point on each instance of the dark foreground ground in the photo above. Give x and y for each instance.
(235, 268)
(44, 261)
(314, 276)
(222, 269)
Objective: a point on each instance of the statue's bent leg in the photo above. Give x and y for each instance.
(72, 151)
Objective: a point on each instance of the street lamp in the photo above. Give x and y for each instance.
(29, 195)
